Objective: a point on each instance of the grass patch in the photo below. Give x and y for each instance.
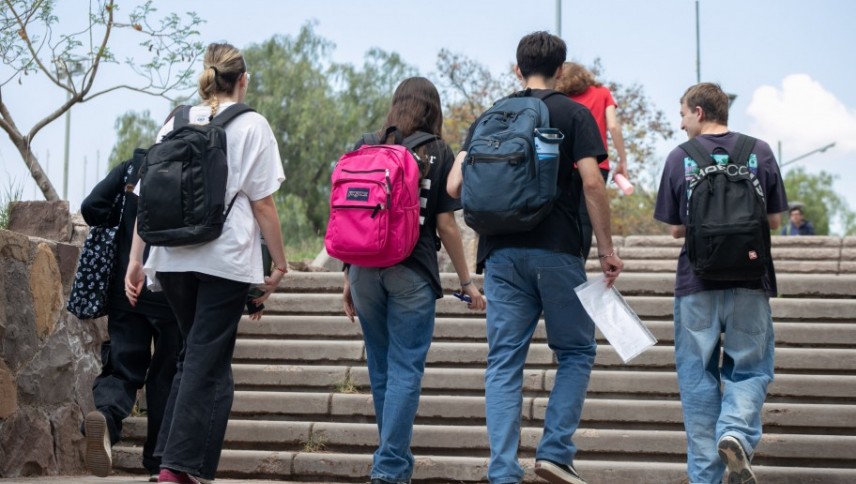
(316, 443)
(11, 193)
(347, 386)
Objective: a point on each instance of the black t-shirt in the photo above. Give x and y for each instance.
(434, 199)
(560, 230)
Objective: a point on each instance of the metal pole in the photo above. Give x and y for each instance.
(559, 18)
(697, 44)
(65, 161)
(780, 152)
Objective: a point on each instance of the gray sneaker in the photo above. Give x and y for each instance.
(98, 457)
(557, 473)
(739, 470)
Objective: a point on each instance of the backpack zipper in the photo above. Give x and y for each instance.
(374, 208)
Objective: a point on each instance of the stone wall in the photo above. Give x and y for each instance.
(48, 357)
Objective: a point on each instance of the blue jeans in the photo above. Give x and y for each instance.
(718, 402)
(208, 310)
(519, 284)
(396, 308)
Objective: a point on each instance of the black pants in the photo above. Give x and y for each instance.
(585, 220)
(127, 364)
(208, 310)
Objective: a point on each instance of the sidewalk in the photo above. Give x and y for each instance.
(126, 479)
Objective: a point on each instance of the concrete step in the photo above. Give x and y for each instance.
(350, 442)
(630, 284)
(647, 307)
(430, 469)
(804, 333)
(604, 413)
(468, 381)
(799, 360)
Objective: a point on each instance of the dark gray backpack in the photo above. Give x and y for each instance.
(183, 182)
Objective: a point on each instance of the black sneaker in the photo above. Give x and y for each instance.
(739, 470)
(557, 473)
(98, 457)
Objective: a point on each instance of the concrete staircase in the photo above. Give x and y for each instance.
(303, 408)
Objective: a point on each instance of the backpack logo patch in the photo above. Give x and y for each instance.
(753, 255)
(357, 195)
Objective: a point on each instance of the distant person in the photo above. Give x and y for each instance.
(581, 86)
(723, 318)
(206, 284)
(127, 360)
(797, 224)
(396, 305)
(534, 272)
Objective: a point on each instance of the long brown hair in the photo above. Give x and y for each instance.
(415, 107)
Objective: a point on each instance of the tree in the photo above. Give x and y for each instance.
(133, 130)
(318, 109)
(821, 204)
(467, 89)
(34, 42)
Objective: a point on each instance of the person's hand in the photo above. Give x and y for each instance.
(271, 283)
(347, 300)
(478, 301)
(621, 168)
(611, 265)
(134, 280)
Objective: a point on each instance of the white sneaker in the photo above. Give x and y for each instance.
(731, 452)
(98, 457)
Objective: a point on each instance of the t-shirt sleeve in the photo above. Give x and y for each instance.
(671, 198)
(263, 173)
(609, 100)
(777, 200)
(445, 203)
(585, 137)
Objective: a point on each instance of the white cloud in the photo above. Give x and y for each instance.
(803, 116)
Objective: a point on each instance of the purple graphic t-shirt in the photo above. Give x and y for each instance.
(672, 205)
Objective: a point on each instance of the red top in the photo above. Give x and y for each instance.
(597, 99)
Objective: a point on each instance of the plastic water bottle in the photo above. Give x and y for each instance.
(623, 183)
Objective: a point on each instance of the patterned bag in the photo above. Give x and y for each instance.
(90, 291)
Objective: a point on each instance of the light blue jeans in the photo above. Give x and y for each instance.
(520, 283)
(722, 401)
(396, 308)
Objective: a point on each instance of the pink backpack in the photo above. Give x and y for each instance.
(374, 203)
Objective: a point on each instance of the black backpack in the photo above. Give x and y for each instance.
(183, 182)
(507, 188)
(728, 234)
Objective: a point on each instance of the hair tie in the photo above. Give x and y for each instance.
(216, 72)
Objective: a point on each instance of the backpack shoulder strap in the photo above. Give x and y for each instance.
(418, 139)
(231, 113)
(545, 93)
(743, 149)
(697, 152)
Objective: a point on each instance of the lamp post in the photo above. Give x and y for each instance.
(68, 69)
(798, 158)
(559, 18)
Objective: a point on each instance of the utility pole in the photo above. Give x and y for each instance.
(559, 18)
(697, 44)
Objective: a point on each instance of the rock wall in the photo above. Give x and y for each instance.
(48, 357)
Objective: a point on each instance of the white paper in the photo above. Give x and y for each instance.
(614, 318)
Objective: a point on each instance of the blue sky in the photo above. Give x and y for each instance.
(791, 64)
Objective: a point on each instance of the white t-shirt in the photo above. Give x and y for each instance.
(255, 171)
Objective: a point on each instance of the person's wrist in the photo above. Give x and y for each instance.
(609, 254)
(466, 283)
